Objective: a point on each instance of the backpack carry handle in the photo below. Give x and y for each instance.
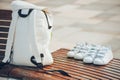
(49, 26)
(24, 15)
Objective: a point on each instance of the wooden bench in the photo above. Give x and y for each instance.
(77, 69)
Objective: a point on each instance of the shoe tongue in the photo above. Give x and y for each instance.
(100, 55)
(93, 51)
(76, 50)
(82, 44)
(92, 47)
(104, 49)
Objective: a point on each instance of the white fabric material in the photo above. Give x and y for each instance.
(32, 35)
(103, 57)
(74, 51)
(82, 51)
(90, 53)
(79, 51)
(10, 36)
(89, 57)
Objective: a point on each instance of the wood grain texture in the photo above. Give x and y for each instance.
(77, 69)
(5, 14)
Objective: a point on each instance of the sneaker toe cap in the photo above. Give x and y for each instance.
(98, 62)
(88, 60)
(70, 54)
(78, 56)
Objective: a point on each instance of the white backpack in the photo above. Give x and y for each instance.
(29, 36)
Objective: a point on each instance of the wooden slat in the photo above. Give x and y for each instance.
(77, 69)
(3, 40)
(91, 71)
(4, 28)
(74, 75)
(2, 46)
(25, 74)
(109, 68)
(2, 52)
(3, 34)
(5, 14)
(103, 71)
(4, 23)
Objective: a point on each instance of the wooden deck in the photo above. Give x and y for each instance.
(77, 69)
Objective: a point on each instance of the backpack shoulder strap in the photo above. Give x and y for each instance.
(10, 36)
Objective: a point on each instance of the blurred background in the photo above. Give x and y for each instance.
(92, 21)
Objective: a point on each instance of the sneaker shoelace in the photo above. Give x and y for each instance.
(75, 49)
(79, 47)
(102, 52)
(92, 53)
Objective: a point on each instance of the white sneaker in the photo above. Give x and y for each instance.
(104, 56)
(82, 52)
(91, 54)
(75, 50)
